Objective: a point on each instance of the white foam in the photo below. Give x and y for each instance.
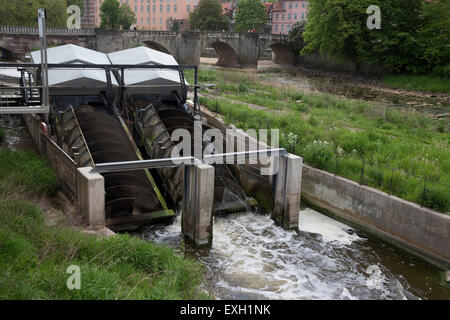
(330, 230)
(251, 258)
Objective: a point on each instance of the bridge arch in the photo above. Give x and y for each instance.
(227, 55)
(156, 46)
(282, 54)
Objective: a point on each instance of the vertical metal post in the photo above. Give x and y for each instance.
(392, 178)
(424, 190)
(44, 62)
(361, 180)
(195, 91)
(122, 86)
(337, 162)
(30, 86)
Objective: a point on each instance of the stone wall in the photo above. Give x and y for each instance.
(417, 229)
(346, 65)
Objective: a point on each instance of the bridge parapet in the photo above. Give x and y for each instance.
(50, 31)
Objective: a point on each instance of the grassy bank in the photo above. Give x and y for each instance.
(34, 256)
(427, 83)
(401, 153)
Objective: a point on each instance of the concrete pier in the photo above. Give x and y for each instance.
(287, 191)
(198, 196)
(91, 196)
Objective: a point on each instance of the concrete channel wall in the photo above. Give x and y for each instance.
(419, 230)
(65, 167)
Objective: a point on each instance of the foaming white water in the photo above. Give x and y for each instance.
(330, 229)
(251, 257)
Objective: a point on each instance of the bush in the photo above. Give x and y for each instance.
(434, 199)
(319, 154)
(442, 71)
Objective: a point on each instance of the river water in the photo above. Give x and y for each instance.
(252, 258)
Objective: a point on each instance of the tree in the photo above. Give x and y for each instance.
(338, 28)
(208, 17)
(24, 13)
(250, 15)
(79, 3)
(175, 27)
(295, 36)
(114, 15)
(435, 35)
(110, 15)
(127, 16)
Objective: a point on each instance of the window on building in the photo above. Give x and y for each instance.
(277, 16)
(303, 4)
(296, 4)
(142, 9)
(135, 9)
(276, 27)
(289, 16)
(148, 9)
(288, 27)
(282, 27)
(160, 20)
(154, 8)
(303, 16)
(142, 20)
(295, 16)
(188, 8)
(290, 5)
(282, 16)
(168, 8)
(161, 8)
(174, 8)
(148, 20)
(154, 20)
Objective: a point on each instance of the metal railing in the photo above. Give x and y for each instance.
(184, 161)
(425, 190)
(109, 87)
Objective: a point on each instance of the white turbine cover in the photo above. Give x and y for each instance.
(90, 80)
(156, 80)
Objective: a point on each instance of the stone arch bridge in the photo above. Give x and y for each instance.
(237, 50)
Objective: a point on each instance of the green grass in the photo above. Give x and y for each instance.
(428, 83)
(399, 148)
(34, 256)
